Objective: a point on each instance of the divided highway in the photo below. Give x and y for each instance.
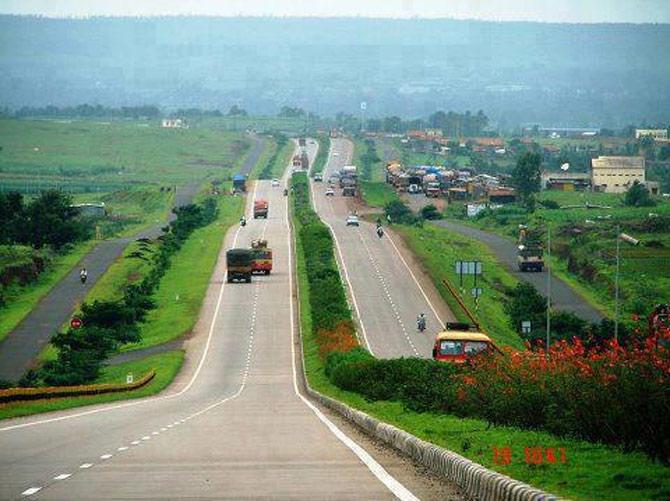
(387, 294)
(233, 425)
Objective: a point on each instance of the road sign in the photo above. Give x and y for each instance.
(364, 105)
(129, 378)
(469, 267)
(525, 326)
(76, 323)
(476, 292)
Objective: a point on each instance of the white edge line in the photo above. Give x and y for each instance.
(152, 399)
(31, 491)
(398, 490)
(341, 264)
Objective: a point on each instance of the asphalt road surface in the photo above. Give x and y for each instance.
(19, 349)
(233, 425)
(387, 292)
(563, 297)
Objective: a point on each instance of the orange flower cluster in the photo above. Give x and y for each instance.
(342, 338)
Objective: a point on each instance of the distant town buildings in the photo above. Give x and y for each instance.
(616, 174)
(656, 134)
(566, 181)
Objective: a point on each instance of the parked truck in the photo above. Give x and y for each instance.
(261, 208)
(239, 265)
(530, 254)
(261, 257)
(239, 183)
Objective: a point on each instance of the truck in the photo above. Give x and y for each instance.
(530, 252)
(261, 208)
(239, 183)
(239, 265)
(261, 257)
(304, 160)
(433, 190)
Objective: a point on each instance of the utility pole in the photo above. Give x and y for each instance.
(548, 285)
(616, 287)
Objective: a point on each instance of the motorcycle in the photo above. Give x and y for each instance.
(421, 324)
(243, 222)
(285, 192)
(380, 232)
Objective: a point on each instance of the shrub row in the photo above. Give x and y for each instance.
(322, 154)
(107, 325)
(280, 140)
(331, 316)
(20, 394)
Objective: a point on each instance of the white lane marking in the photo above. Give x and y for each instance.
(135, 442)
(425, 296)
(31, 491)
(146, 437)
(62, 476)
(382, 280)
(343, 267)
(398, 490)
(151, 399)
(86, 466)
(164, 429)
(154, 433)
(105, 456)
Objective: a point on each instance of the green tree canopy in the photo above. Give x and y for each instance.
(526, 177)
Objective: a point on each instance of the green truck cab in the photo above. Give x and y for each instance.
(239, 264)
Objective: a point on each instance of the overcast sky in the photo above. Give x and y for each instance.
(575, 11)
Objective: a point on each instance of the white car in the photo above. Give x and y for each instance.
(352, 221)
(330, 192)
(275, 183)
(336, 154)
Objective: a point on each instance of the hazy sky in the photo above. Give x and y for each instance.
(579, 11)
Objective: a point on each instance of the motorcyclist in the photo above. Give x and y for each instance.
(83, 275)
(421, 322)
(285, 192)
(243, 221)
(380, 231)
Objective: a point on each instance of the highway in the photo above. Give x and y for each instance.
(387, 290)
(233, 425)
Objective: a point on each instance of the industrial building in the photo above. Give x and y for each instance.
(616, 174)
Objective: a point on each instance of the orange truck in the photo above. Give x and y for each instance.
(261, 261)
(261, 208)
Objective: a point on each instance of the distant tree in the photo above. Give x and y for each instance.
(50, 219)
(12, 217)
(638, 196)
(236, 111)
(373, 125)
(526, 178)
(664, 153)
(525, 304)
(289, 112)
(647, 145)
(430, 212)
(392, 124)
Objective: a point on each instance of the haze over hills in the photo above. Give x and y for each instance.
(553, 74)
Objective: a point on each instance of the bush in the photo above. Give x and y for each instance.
(638, 196)
(430, 212)
(549, 204)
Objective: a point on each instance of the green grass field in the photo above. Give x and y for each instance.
(377, 194)
(166, 365)
(89, 156)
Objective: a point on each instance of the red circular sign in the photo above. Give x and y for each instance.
(76, 323)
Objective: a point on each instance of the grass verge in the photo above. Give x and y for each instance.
(377, 194)
(166, 365)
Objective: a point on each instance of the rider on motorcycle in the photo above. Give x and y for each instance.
(83, 275)
(243, 221)
(421, 322)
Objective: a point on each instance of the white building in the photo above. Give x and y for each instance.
(616, 174)
(657, 134)
(173, 123)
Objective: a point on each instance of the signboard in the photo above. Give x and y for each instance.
(469, 267)
(525, 326)
(76, 323)
(364, 105)
(476, 292)
(129, 378)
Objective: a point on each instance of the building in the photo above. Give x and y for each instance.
(173, 123)
(616, 174)
(656, 134)
(501, 195)
(94, 210)
(566, 181)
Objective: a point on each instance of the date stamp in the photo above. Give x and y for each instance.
(535, 455)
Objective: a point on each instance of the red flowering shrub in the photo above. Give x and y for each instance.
(612, 395)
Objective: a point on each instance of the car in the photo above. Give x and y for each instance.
(318, 177)
(330, 192)
(352, 220)
(336, 154)
(275, 183)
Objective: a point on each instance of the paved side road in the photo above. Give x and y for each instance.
(563, 297)
(19, 349)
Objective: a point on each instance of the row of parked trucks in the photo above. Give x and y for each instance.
(346, 179)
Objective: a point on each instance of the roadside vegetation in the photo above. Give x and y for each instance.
(323, 141)
(166, 365)
(280, 157)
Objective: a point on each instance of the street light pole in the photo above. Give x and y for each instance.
(548, 284)
(616, 287)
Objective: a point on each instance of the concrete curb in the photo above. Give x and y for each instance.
(476, 481)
